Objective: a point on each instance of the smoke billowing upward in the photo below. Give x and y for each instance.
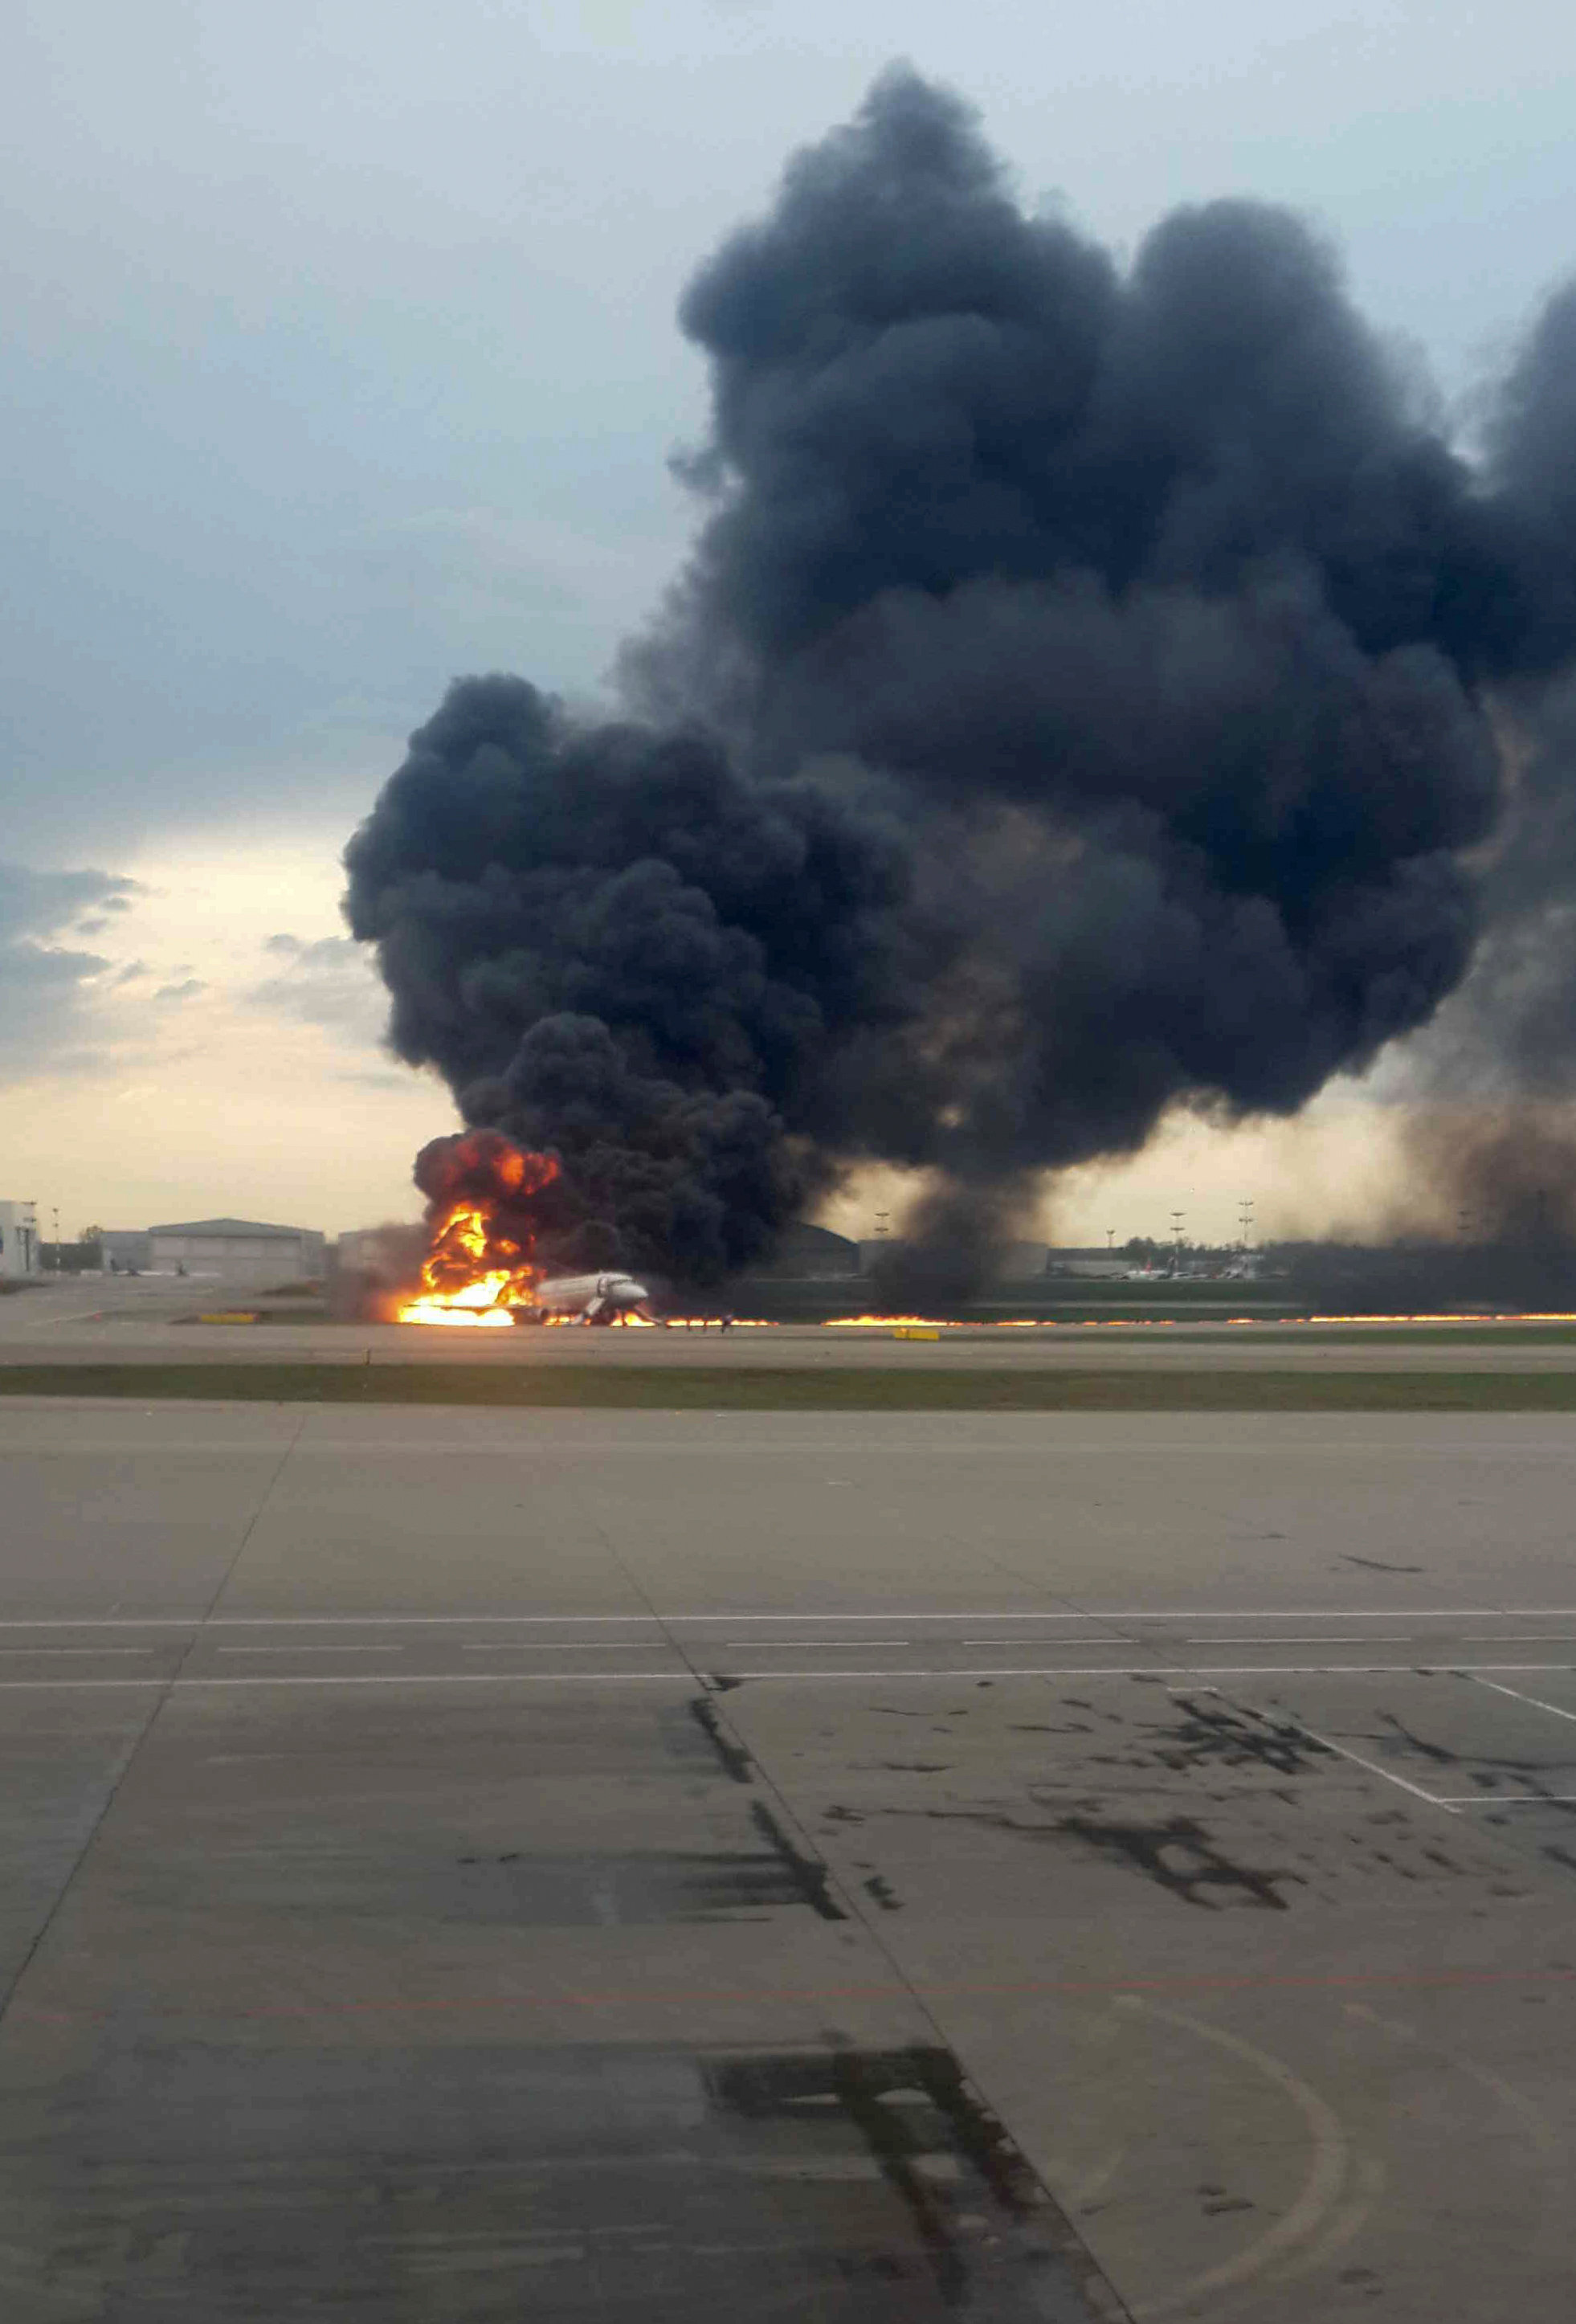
(1088, 693)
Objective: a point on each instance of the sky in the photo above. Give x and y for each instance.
(341, 361)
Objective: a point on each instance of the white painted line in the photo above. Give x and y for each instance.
(1302, 1638)
(308, 1621)
(1517, 1696)
(451, 1678)
(1370, 1767)
(30, 1685)
(94, 1650)
(1350, 1670)
(1509, 1799)
(106, 1622)
(833, 1674)
(299, 1650)
(827, 1645)
(524, 1646)
(1166, 1670)
(1074, 1645)
(1112, 1616)
(1118, 1615)
(1335, 1613)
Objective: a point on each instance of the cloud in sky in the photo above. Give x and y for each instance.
(328, 980)
(48, 982)
(214, 1062)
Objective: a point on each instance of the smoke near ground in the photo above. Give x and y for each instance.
(1091, 691)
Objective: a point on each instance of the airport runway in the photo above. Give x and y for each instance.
(135, 1323)
(605, 1866)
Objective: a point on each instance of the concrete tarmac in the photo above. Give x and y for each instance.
(143, 1322)
(602, 1866)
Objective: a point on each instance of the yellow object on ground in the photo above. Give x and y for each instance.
(909, 1331)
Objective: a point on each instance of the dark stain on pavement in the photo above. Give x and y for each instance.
(1214, 1735)
(1215, 2203)
(735, 1760)
(1436, 1752)
(447, 2183)
(1180, 1856)
(996, 2246)
(809, 1877)
(633, 1890)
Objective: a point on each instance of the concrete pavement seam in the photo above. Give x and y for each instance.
(129, 1756)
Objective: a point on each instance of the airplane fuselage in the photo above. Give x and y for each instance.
(589, 1299)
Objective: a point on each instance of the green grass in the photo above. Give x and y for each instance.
(640, 1388)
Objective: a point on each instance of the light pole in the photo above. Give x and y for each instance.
(1245, 1219)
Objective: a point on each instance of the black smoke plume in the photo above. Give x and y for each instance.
(1087, 695)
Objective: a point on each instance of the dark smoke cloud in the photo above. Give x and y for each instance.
(613, 946)
(1075, 706)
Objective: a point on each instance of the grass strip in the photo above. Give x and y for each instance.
(676, 1388)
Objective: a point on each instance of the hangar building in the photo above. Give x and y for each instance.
(240, 1249)
(806, 1253)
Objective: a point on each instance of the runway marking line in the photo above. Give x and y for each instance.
(648, 1621)
(718, 1682)
(825, 1645)
(1370, 1767)
(1517, 1696)
(245, 1650)
(655, 1645)
(78, 1650)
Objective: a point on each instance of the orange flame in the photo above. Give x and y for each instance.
(458, 1286)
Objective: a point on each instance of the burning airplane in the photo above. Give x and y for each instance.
(489, 1204)
(481, 1230)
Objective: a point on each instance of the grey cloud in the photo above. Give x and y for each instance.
(324, 981)
(46, 987)
(186, 991)
(29, 969)
(373, 1080)
(42, 903)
